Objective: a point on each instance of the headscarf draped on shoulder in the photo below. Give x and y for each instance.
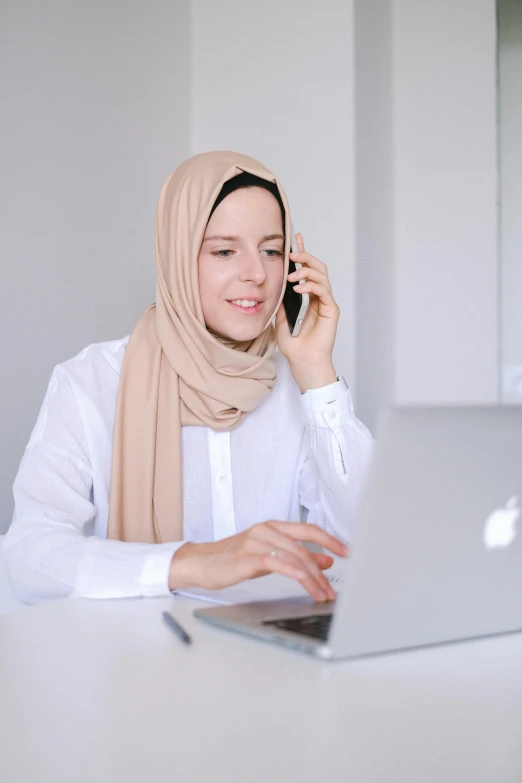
(175, 372)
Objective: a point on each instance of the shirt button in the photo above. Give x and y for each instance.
(222, 479)
(332, 414)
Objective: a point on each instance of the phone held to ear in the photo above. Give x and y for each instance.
(295, 304)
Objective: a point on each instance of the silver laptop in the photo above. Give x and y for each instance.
(436, 556)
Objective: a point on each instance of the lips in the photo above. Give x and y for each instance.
(247, 310)
(247, 298)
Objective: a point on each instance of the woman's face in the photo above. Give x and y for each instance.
(240, 262)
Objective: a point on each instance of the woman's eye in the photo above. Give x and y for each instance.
(270, 252)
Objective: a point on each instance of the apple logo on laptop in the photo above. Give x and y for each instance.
(500, 528)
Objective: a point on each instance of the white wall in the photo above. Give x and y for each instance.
(426, 152)
(94, 116)
(510, 108)
(374, 156)
(445, 215)
(275, 80)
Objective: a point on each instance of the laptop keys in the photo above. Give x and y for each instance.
(315, 625)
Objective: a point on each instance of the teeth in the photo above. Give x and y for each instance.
(245, 302)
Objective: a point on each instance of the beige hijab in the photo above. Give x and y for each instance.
(174, 371)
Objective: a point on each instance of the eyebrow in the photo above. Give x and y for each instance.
(266, 238)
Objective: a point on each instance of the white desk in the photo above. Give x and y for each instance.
(103, 692)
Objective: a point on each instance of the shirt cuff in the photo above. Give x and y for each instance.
(154, 577)
(330, 406)
(121, 569)
(326, 394)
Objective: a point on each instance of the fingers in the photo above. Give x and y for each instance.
(312, 277)
(264, 563)
(287, 564)
(323, 292)
(309, 274)
(302, 531)
(322, 560)
(313, 580)
(303, 569)
(312, 281)
(307, 258)
(310, 261)
(266, 538)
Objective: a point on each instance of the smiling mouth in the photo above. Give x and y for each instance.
(246, 306)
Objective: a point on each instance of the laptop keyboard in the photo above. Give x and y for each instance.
(315, 625)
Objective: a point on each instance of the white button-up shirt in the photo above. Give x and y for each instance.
(294, 457)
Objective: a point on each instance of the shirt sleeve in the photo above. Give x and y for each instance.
(47, 550)
(338, 450)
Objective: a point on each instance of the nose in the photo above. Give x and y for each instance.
(252, 267)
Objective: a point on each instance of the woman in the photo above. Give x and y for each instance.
(184, 455)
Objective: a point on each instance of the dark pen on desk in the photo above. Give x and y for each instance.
(176, 627)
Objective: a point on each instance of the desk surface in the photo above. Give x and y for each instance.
(103, 691)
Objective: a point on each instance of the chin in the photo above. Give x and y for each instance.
(238, 332)
(243, 335)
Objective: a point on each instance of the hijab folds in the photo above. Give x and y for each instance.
(175, 372)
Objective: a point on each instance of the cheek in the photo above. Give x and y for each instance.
(212, 281)
(205, 286)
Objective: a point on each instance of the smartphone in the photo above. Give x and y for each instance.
(295, 304)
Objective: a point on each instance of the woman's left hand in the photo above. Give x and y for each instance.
(310, 353)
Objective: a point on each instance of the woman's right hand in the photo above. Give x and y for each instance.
(267, 547)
